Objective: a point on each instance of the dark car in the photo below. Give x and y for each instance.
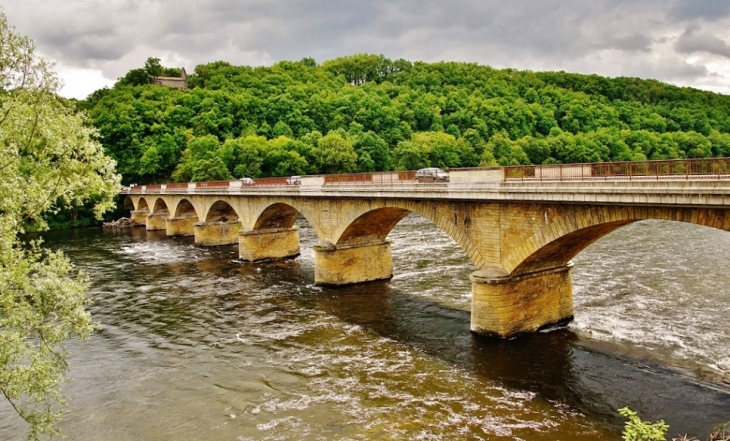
(431, 174)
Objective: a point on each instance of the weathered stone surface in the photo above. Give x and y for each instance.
(504, 306)
(156, 222)
(355, 264)
(217, 233)
(181, 226)
(268, 244)
(139, 217)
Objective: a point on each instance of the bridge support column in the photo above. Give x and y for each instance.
(181, 226)
(268, 244)
(139, 217)
(504, 306)
(156, 221)
(216, 233)
(352, 264)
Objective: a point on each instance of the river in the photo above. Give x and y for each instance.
(196, 345)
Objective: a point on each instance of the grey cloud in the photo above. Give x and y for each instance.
(441, 28)
(87, 46)
(578, 35)
(291, 30)
(710, 10)
(675, 70)
(631, 43)
(697, 40)
(547, 29)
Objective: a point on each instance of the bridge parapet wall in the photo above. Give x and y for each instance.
(476, 175)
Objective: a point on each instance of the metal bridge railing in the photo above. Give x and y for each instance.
(713, 168)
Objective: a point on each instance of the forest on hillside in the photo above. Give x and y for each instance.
(367, 113)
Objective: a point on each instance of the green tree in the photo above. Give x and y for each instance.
(248, 155)
(550, 116)
(282, 129)
(372, 152)
(135, 77)
(153, 67)
(211, 168)
(536, 149)
(409, 155)
(335, 154)
(359, 68)
(49, 160)
(142, 75)
(281, 160)
(200, 148)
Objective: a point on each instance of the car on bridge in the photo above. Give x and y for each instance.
(294, 180)
(431, 174)
(247, 181)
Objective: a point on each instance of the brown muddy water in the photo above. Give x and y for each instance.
(196, 345)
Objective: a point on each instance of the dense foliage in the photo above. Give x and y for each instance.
(49, 161)
(366, 113)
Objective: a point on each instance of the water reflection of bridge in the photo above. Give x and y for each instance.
(520, 226)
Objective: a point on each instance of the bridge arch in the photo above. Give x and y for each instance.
(278, 215)
(160, 206)
(373, 224)
(142, 205)
(557, 243)
(221, 211)
(128, 203)
(372, 227)
(269, 231)
(185, 208)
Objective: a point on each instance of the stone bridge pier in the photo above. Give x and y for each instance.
(222, 232)
(504, 305)
(181, 226)
(267, 244)
(350, 264)
(139, 217)
(521, 250)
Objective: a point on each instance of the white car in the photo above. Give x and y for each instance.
(294, 180)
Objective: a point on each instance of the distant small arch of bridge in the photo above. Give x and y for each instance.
(520, 226)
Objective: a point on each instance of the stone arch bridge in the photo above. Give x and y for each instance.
(520, 232)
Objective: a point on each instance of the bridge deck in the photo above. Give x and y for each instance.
(689, 182)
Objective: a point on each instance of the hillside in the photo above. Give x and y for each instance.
(368, 113)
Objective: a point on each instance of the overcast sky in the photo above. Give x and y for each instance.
(93, 42)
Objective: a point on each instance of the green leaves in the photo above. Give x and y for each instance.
(48, 159)
(494, 116)
(637, 430)
(335, 153)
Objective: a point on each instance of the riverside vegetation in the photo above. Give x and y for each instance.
(365, 112)
(49, 161)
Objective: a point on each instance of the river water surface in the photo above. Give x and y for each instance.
(196, 345)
